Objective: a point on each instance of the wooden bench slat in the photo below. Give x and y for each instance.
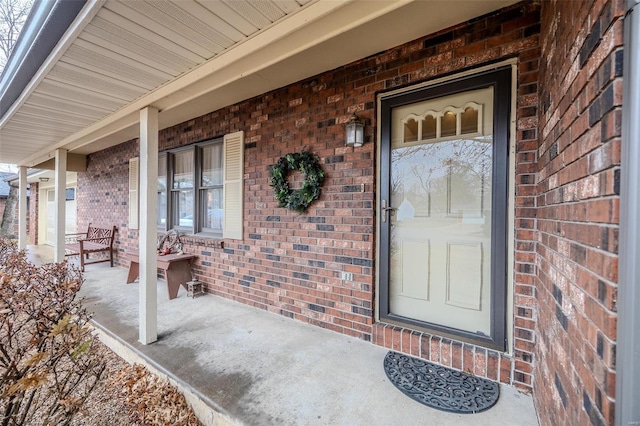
(96, 240)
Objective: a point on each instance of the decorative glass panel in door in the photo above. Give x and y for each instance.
(444, 179)
(441, 230)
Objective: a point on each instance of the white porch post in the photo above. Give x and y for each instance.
(148, 237)
(22, 208)
(60, 193)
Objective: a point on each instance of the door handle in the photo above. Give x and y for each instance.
(386, 209)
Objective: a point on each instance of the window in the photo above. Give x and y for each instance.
(211, 189)
(200, 188)
(448, 123)
(162, 191)
(134, 182)
(182, 188)
(70, 194)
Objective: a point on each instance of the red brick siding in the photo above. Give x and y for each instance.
(578, 174)
(291, 264)
(103, 195)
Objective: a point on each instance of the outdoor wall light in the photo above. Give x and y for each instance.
(44, 179)
(354, 135)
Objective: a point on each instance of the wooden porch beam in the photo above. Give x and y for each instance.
(75, 163)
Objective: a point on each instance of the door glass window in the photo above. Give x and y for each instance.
(429, 124)
(441, 189)
(448, 124)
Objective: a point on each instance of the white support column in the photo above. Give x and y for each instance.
(148, 237)
(22, 208)
(60, 192)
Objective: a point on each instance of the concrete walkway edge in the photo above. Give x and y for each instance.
(206, 410)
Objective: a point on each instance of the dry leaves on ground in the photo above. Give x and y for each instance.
(53, 370)
(131, 395)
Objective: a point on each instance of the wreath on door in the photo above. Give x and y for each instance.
(296, 199)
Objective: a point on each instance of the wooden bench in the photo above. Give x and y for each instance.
(95, 240)
(176, 268)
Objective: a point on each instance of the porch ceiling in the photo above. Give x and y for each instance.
(187, 58)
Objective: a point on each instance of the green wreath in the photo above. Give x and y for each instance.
(298, 199)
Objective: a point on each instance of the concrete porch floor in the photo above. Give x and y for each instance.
(257, 368)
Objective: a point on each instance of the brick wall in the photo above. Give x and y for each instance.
(291, 264)
(578, 186)
(103, 195)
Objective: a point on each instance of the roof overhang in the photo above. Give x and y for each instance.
(87, 94)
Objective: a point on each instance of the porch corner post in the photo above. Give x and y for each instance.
(628, 327)
(22, 208)
(60, 211)
(148, 237)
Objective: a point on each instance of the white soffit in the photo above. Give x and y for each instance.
(123, 51)
(189, 57)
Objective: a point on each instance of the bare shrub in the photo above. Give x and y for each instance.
(49, 362)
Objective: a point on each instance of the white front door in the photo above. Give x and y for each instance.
(441, 230)
(437, 210)
(50, 211)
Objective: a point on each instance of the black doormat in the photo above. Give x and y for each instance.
(440, 387)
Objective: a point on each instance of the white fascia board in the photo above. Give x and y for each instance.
(83, 18)
(35, 21)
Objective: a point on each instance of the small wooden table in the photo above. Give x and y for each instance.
(176, 267)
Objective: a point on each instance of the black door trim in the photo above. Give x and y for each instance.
(500, 80)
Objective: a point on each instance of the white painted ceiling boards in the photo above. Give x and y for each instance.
(187, 58)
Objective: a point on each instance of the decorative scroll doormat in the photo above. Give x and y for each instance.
(440, 387)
